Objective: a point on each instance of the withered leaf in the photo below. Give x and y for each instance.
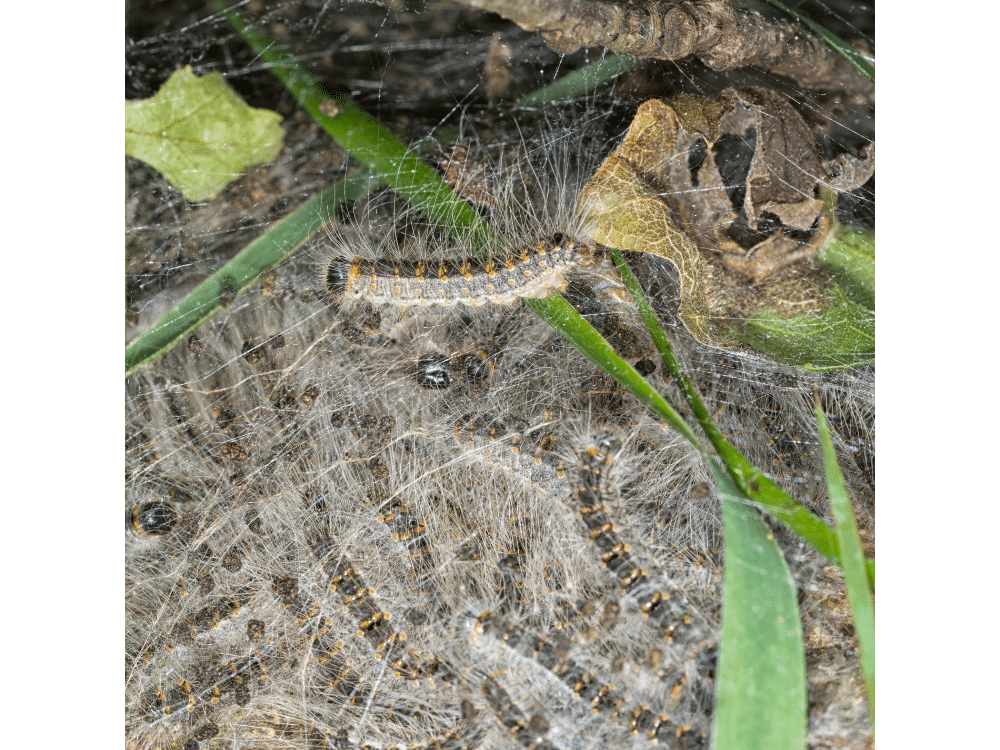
(785, 168)
(850, 172)
(624, 211)
(742, 185)
(749, 198)
(700, 115)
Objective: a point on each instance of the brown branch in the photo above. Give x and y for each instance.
(723, 37)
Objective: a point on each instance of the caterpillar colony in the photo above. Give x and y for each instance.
(442, 527)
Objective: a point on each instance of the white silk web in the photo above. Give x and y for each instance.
(443, 529)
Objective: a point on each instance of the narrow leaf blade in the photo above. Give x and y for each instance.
(559, 314)
(852, 557)
(365, 138)
(761, 678)
(749, 478)
(578, 83)
(260, 256)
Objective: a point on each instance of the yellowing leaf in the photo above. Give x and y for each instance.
(199, 133)
(622, 211)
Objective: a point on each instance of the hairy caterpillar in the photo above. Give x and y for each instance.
(529, 272)
(659, 600)
(525, 200)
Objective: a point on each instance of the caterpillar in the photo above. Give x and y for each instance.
(528, 272)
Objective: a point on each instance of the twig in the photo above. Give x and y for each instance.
(721, 36)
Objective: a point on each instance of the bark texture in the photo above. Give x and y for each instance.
(721, 36)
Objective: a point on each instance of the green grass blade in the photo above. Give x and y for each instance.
(859, 61)
(761, 676)
(858, 593)
(576, 84)
(364, 138)
(763, 622)
(261, 255)
(559, 314)
(750, 480)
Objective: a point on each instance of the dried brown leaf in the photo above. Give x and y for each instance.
(743, 186)
(851, 172)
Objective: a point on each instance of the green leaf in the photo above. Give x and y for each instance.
(200, 134)
(260, 256)
(761, 677)
(850, 253)
(843, 336)
(858, 593)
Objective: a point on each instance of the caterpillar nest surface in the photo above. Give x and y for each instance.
(441, 530)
